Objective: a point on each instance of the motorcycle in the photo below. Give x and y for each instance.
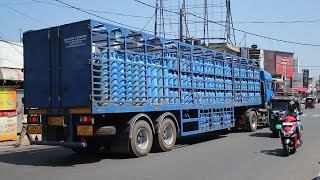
(288, 134)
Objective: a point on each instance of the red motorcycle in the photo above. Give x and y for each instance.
(288, 134)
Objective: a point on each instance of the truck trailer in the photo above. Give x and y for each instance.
(90, 84)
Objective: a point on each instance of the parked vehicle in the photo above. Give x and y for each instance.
(90, 84)
(310, 102)
(288, 134)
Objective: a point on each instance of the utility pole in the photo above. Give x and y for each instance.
(156, 19)
(229, 25)
(205, 23)
(181, 24)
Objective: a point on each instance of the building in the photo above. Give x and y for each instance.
(280, 64)
(11, 63)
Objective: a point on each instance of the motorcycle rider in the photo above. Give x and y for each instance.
(293, 111)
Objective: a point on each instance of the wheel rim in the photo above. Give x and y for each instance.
(168, 135)
(254, 121)
(142, 138)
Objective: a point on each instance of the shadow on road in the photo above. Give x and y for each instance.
(274, 152)
(261, 134)
(196, 139)
(53, 157)
(61, 157)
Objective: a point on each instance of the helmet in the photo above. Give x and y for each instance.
(291, 105)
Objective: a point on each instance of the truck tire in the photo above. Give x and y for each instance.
(167, 135)
(141, 140)
(253, 119)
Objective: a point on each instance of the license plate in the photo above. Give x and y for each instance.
(84, 130)
(287, 124)
(34, 129)
(56, 121)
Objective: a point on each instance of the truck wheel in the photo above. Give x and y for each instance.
(141, 140)
(253, 121)
(166, 138)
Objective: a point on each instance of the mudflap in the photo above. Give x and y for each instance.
(120, 143)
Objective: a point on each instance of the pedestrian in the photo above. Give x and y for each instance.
(24, 125)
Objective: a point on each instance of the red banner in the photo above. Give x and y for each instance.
(285, 66)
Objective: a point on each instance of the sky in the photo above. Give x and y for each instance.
(37, 14)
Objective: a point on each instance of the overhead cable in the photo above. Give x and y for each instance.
(239, 30)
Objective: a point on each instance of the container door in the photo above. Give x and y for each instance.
(37, 67)
(75, 69)
(57, 68)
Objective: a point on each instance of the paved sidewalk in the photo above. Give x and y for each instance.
(9, 144)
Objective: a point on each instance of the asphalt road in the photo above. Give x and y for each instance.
(239, 155)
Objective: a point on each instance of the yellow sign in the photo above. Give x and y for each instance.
(56, 121)
(84, 130)
(8, 128)
(34, 129)
(8, 98)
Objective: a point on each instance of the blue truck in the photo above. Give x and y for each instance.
(90, 84)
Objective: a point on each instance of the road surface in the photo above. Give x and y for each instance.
(239, 155)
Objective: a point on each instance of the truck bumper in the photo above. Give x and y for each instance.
(60, 143)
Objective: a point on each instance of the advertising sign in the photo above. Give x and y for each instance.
(305, 73)
(8, 98)
(285, 66)
(8, 128)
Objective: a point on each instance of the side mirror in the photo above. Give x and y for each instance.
(300, 113)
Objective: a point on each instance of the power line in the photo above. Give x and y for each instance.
(147, 17)
(148, 21)
(239, 30)
(25, 15)
(278, 22)
(23, 3)
(11, 44)
(85, 11)
(102, 12)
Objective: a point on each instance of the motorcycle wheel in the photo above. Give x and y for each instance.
(286, 150)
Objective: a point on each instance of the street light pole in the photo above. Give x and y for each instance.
(20, 35)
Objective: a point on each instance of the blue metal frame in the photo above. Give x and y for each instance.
(131, 71)
(137, 72)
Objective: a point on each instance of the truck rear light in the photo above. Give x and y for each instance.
(33, 119)
(86, 119)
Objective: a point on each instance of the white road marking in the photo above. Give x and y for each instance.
(315, 115)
